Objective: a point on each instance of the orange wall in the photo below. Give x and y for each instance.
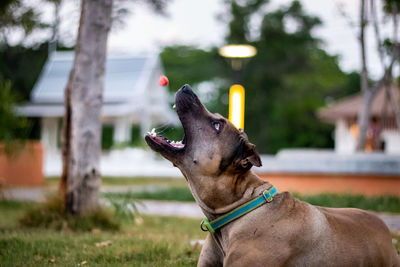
(370, 185)
(24, 167)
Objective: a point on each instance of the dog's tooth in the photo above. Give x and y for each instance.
(172, 142)
(179, 142)
(153, 132)
(174, 106)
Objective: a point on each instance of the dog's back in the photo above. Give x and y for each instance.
(347, 237)
(361, 235)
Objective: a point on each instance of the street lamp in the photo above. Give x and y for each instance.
(237, 54)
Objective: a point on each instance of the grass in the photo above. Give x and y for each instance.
(169, 194)
(128, 181)
(11, 212)
(379, 203)
(396, 241)
(177, 190)
(145, 241)
(52, 215)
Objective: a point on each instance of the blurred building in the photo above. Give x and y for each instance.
(382, 135)
(131, 97)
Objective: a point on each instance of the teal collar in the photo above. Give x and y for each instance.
(265, 197)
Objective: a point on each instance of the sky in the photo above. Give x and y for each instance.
(196, 23)
(193, 22)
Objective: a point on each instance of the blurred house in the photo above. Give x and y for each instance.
(383, 133)
(131, 97)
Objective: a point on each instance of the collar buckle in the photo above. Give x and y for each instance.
(205, 226)
(268, 196)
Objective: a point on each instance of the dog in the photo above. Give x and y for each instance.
(216, 160)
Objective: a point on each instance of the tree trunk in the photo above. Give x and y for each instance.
(367, 94)
(81, 178)
(394, 104)
(363, 118)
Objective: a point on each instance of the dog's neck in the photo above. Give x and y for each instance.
(221, 195)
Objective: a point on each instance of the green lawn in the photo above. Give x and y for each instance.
(121, 181)
(173, 193)
(377, 203)
(182, 193)
(176, 189)
(145, 241)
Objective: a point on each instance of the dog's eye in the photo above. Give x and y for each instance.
(217, 126)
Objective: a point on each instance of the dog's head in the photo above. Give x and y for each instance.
(211, 145)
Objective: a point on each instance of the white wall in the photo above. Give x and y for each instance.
(344, 140)
(345, 143)
(49, 134)
(122, 130)
(392, 141)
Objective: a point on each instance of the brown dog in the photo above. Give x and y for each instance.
(216, 158)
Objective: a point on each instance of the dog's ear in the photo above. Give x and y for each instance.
(249, 156)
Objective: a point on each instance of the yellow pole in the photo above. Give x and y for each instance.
(236, 105)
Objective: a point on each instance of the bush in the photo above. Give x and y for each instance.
(52, 215)
(12, 127)
(107, 137)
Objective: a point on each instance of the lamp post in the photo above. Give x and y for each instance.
(237, 54)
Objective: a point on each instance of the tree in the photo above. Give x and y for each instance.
(21, 66)
(81, 136)
(81, 147)
(286, 82)
(185, 64)
(388, 51)
(15, 14)
(240, 14)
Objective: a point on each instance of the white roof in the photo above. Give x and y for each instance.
(130, 87)
(125, 76)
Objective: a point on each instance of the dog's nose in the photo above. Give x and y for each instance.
(186, 89)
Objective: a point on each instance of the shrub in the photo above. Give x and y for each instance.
(52, 215)
(12, 128)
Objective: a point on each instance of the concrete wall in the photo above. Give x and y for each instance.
(311, 183)
(127, 162)
(329, 162)
(323, 171)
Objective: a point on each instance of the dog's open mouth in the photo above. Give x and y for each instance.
(185, 102)
(164, 142)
